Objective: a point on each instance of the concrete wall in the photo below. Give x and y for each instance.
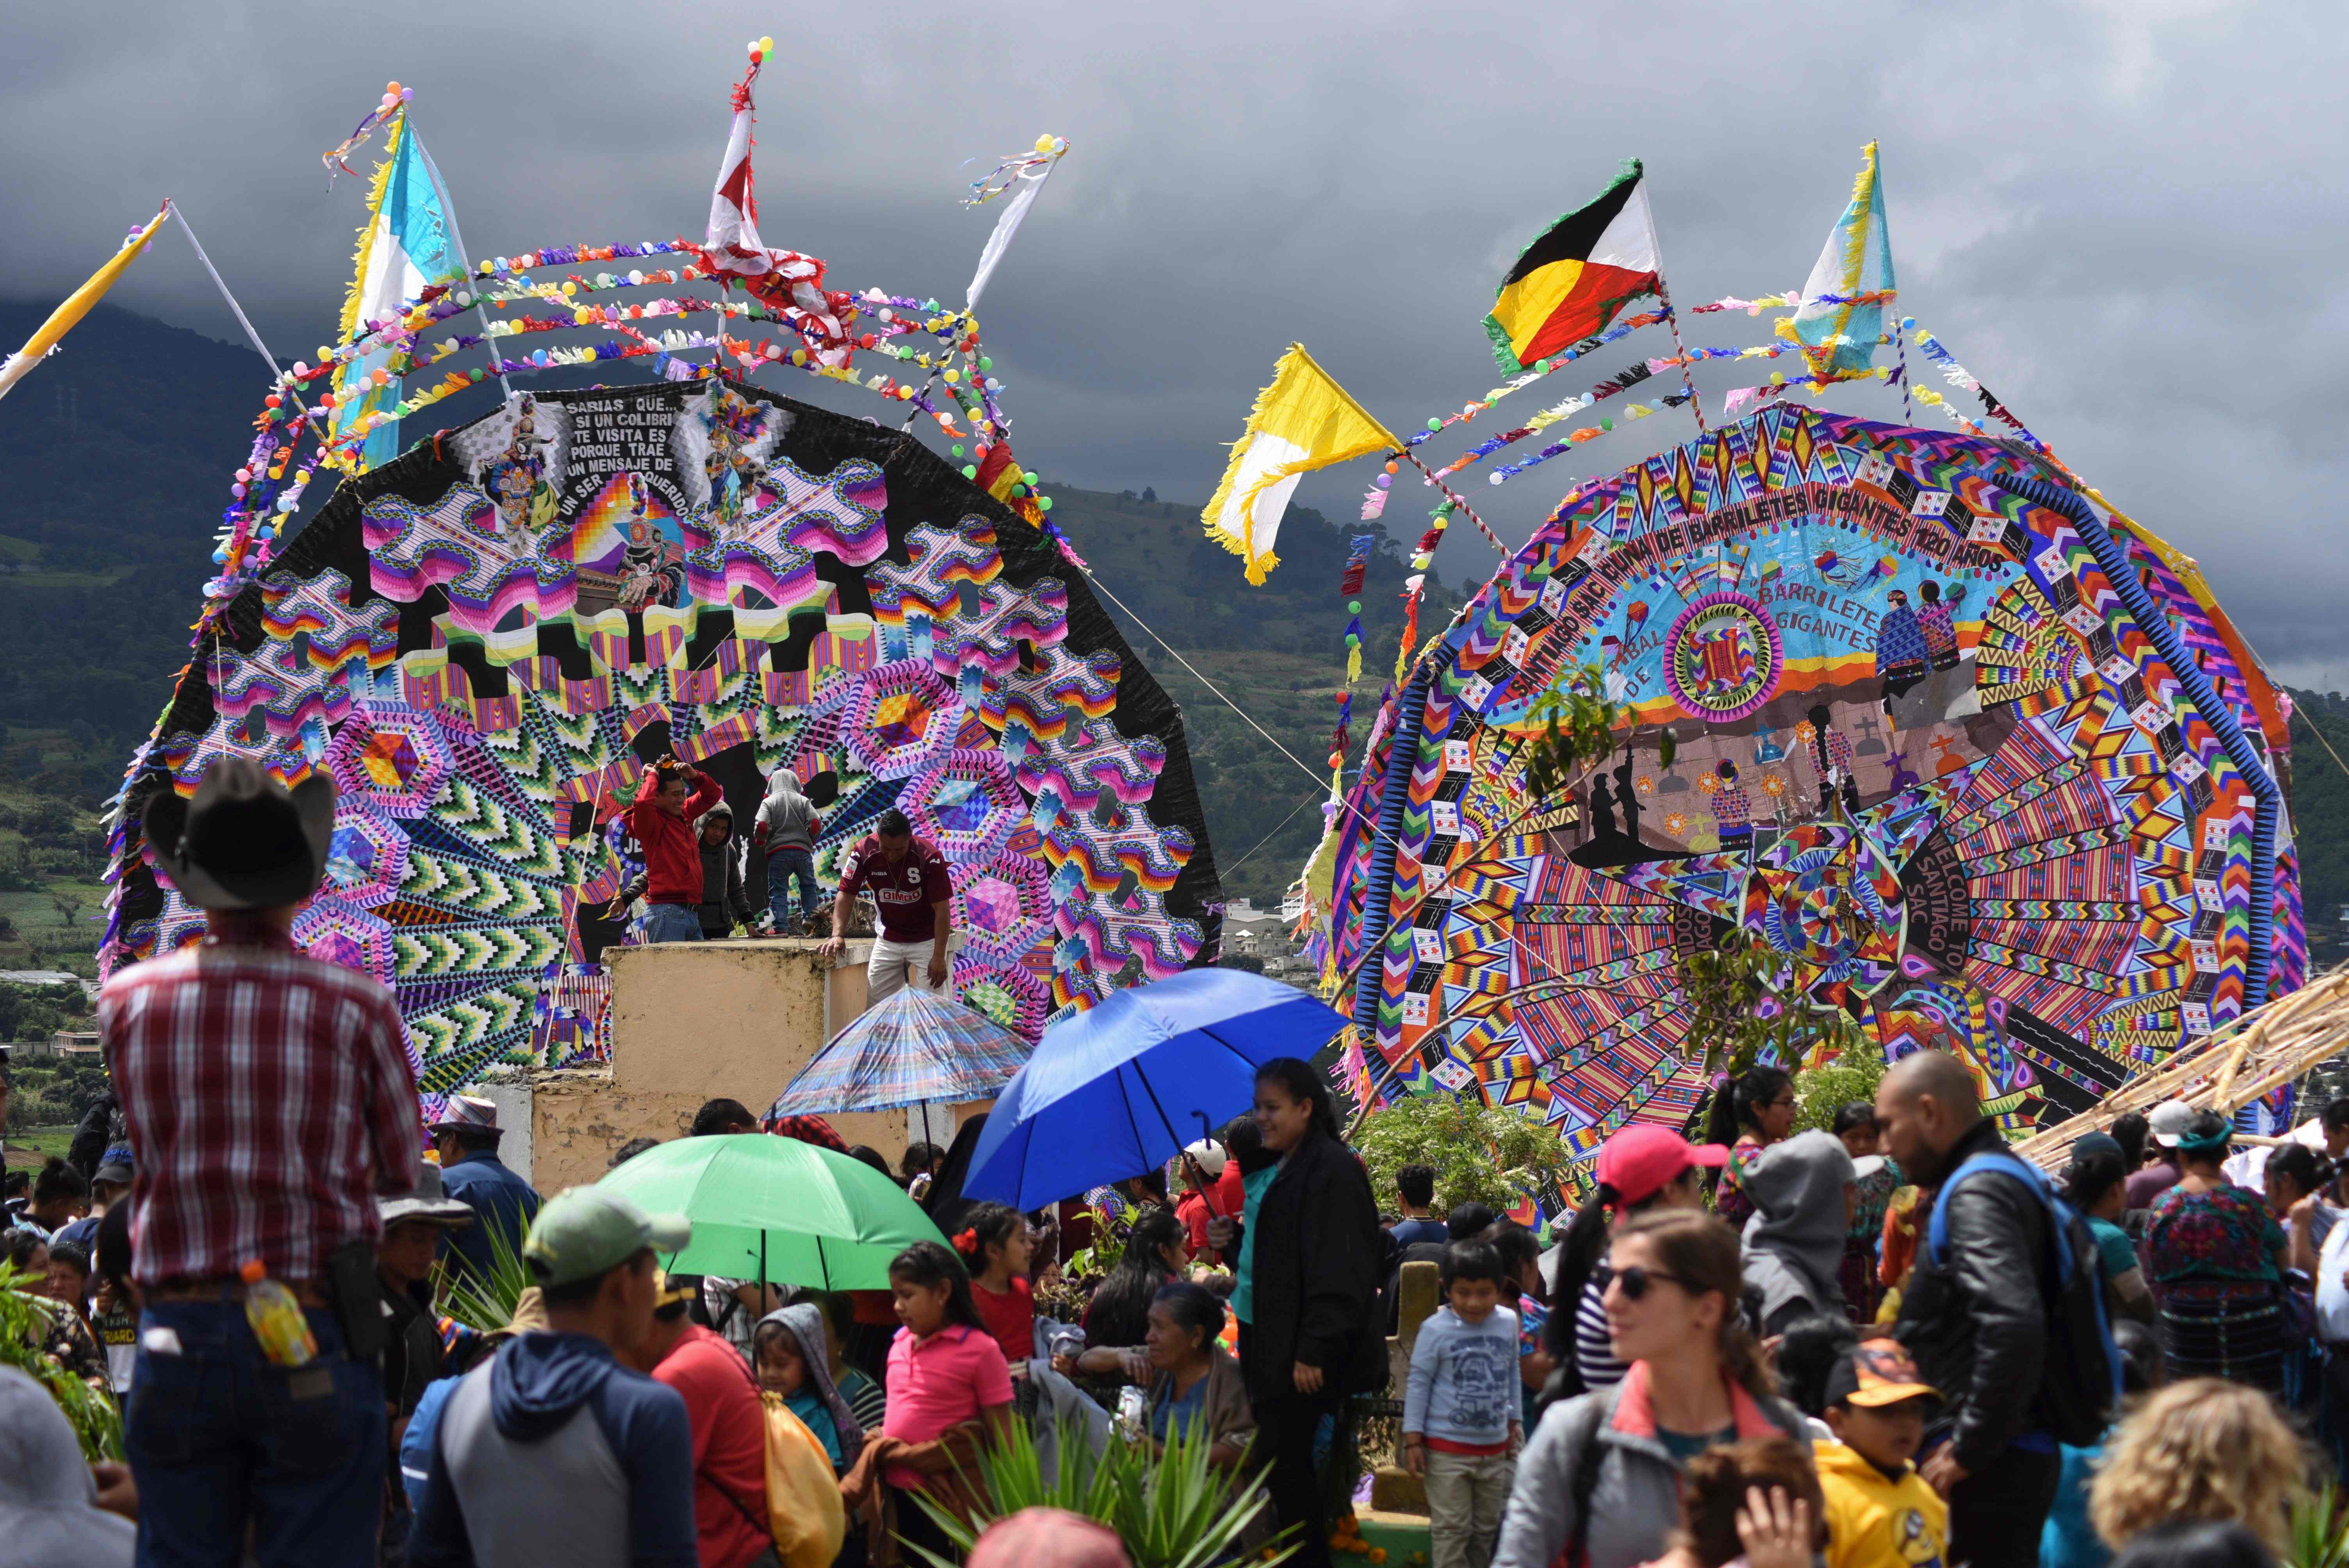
(696, 1021)
(512, 1096)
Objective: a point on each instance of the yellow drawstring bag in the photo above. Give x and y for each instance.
(804, 1512)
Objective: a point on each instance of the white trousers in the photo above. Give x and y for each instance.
(897, 964)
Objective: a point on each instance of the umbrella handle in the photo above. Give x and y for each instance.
(1199, 1176)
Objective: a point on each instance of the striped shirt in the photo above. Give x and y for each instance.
(1594, 1352)
(270, 1097)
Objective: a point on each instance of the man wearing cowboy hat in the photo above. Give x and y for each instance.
(466, 1136)
(413, 1226)
(271, 1099)
(413, 1359)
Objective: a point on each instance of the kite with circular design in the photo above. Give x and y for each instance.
(1977, 758)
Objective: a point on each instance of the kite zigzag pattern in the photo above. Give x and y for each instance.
(1065, 690)
(455, 545)
(1126, 769)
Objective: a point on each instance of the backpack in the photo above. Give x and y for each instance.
(805, 1515)
(2080, 1388)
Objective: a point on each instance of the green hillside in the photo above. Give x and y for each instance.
(1278, 652)
(2320, 804)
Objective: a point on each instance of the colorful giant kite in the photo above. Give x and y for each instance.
(1982, 760)
(485, 640)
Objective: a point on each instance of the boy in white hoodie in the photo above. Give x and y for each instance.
(785, 831)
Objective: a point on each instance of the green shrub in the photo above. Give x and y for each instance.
(1495, 1156)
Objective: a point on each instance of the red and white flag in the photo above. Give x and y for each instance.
(787, 280)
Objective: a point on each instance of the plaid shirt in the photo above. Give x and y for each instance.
(270, 1099)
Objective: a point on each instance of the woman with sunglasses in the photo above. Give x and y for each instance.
(1600, 1482)
(1642, 1168)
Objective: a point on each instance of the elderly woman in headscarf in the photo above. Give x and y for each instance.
(787, 1350)
(1802, 1192)
(785, 831)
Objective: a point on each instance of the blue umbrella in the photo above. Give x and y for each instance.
(1107, 1090)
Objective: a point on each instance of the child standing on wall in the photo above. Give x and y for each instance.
(1461, 1430)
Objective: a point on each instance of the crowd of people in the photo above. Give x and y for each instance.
(1884, 1341)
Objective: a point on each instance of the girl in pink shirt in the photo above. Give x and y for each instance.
(944, 1368)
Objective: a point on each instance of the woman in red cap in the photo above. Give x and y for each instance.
(1642, 1168)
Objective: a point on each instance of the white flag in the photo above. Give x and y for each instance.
(1015, 212)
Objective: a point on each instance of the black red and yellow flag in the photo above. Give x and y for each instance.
(1571, 282)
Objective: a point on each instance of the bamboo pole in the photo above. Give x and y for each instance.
(2253, 1055)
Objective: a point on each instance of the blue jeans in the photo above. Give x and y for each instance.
(792, 862)
(672, 923)
(220, 1439)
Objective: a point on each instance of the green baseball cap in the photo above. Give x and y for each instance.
(582, 1231)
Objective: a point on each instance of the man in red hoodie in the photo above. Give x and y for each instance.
(672, 796)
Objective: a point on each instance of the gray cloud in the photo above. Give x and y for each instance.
(2125, 216)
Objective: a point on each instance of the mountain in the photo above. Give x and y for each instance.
(1276, 652)
(2320, 818)
(118, 451)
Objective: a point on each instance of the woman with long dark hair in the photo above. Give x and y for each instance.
(1598, 1484)
(1315, 1251)
(1642, 1169)
(1756, 1109)
(1119, 1312)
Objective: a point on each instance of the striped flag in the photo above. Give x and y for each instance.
(1570, 282)
(407, 245)
(1838, 339)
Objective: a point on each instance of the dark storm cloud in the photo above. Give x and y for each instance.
(2124, 217)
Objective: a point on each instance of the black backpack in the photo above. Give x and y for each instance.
(2080, 1388)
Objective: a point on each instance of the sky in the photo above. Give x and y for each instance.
(2126, 216)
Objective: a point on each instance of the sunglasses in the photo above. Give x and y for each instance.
(1634, 1280)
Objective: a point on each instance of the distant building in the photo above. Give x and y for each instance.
(49, 977)
(76, 1044)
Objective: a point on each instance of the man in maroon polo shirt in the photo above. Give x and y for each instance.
(908, 879)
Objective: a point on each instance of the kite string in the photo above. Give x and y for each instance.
(1458, 502)
(275, 374)
(1310, 800)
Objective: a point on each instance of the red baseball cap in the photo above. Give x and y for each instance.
(1641, 1161)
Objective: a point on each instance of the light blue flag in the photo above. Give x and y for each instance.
(408, 243)
(1840, 339)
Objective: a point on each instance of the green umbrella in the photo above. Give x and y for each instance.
(776, 1211)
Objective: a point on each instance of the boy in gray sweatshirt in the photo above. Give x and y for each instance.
(1460, 1406)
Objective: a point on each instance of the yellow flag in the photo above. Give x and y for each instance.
(76, 305)
(1302, 422)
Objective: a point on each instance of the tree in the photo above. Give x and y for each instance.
(1822, 1091)
(1741, 1012)
(1495, 1156)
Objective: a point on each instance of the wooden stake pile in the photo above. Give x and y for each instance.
(2252, 1055)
